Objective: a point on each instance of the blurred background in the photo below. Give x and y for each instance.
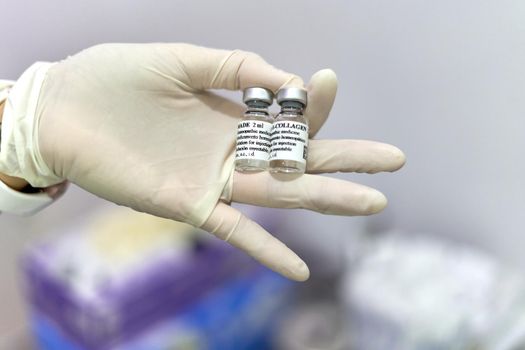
(440, 268)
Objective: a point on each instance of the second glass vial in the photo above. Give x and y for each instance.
(289, 137)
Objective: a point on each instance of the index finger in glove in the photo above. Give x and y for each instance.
(232, 226)
(241, 69)
(237, 70)
(232, 70)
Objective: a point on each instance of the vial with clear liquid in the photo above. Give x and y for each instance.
(252, 152)
(289, 136)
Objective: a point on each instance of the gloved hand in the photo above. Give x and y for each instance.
(139, 126)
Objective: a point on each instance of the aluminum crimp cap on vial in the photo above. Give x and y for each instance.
(292, 94)
(257, 94)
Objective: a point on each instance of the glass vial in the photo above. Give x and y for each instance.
(252, 152)
(289, 137)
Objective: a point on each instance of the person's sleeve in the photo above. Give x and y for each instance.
(5, 85)
(12, 201)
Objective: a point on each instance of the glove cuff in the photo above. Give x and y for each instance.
(19, 151)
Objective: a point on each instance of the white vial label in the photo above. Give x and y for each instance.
(289, 141)
(253, 140)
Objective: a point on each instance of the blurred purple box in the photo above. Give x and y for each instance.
(113, 312)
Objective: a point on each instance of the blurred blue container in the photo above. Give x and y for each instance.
(240, 314)
(210, 297)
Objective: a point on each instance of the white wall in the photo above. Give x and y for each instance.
(443, 80)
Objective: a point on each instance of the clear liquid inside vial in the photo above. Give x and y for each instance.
(289, 165)
(247, 165)
(251, 165)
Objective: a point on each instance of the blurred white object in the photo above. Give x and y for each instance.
(415, 292)
(313, 326)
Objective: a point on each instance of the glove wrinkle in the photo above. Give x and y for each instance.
(220, 68)
(234, 228)
(179, 83)
(293, 80)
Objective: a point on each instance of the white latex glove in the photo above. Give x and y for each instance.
(139, 126)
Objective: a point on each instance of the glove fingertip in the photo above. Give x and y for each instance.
(302, 272)
(398, 158)
(323, 82)
(326, 74)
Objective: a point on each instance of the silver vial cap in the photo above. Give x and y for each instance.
(257, 94)
(292, 94)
